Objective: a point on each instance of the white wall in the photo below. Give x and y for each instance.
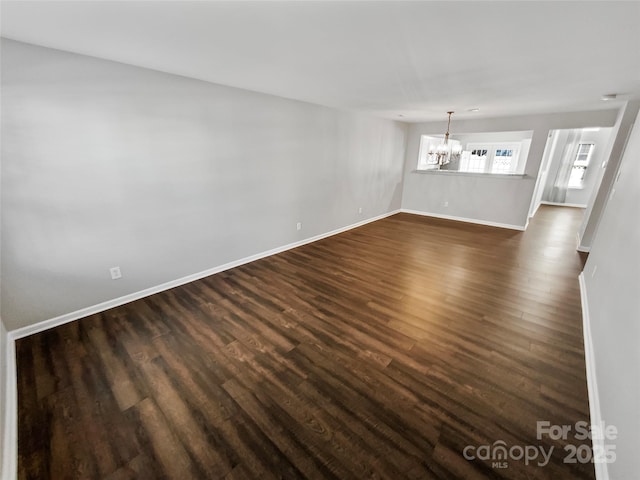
(614, 151)
(559, 145)
(547, 156)
(7, 387)
(105, 164)
(612, 280)
(482, 198)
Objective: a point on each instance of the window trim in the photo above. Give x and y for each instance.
(491, 148)
(584, 166)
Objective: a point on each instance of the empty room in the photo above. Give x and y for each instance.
(319, 240)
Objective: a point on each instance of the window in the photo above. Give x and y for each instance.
(476, 161)
(496, 158)
(486, 153)
(504, 161)
(580, 164)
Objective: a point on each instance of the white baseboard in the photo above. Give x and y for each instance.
(101, 307)
(467, 220)
(9, 454)
(602, 472)
(535, 211)
(558, 204)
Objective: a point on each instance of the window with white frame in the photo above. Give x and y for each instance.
(504, 160)
(474, 160)
(496, 158)
(580, 164)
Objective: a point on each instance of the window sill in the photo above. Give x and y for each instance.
(470, 174)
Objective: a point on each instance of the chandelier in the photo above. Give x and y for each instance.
(443, 153)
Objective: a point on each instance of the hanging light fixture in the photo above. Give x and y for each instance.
(443, 153)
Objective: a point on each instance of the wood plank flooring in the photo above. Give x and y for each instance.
(381, 352)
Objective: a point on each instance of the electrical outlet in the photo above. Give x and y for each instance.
(115, 273)
(360, 210)
(299, 226)
(446, 204)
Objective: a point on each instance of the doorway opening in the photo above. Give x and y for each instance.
(572, 167)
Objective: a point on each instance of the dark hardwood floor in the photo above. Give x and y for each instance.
(378, 353)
